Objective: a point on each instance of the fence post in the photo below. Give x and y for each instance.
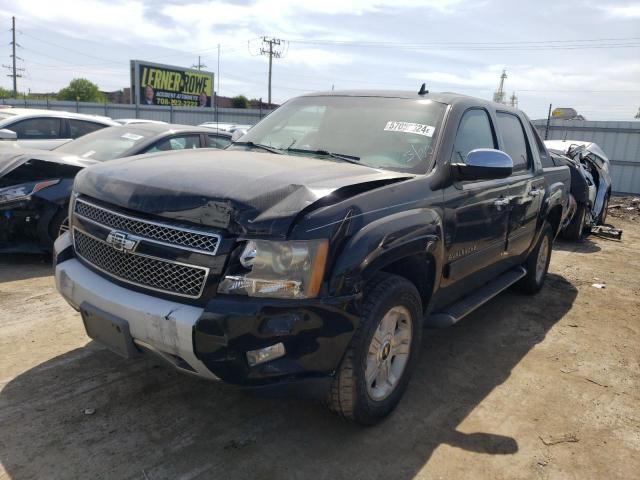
(77, 104)
(137, 110)
(260, 108)
(171, 113)
(105, 107)
(48, 108)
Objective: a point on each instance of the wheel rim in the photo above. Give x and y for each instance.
(543, 256)
(388, 353)
(64, 226)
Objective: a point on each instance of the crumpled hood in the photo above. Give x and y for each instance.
(245, 192)
(10, 159)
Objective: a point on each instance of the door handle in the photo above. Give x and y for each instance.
(534, 192)
(501, 202)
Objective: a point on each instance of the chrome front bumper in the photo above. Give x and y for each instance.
(163, 326)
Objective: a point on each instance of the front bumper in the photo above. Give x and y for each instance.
(212, 341)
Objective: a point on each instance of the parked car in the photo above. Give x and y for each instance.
(305, 257)
(129, 121)
(47, 129)
(590, 183)
(35, 185)
(227, 127)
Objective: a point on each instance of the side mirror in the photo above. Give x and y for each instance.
(6, 134)
(484, 164)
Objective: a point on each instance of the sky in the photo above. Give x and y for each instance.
(581, 54)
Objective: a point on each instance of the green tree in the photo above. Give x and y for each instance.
(5, 93)
(82, 90)
(240, 101)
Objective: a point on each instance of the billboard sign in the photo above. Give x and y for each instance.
(165, 85)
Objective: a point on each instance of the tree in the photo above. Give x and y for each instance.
(82, 90)
(240, 101)
(4, 93)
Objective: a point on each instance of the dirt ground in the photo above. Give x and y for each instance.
(526, 387)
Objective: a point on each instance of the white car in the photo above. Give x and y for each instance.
(129, 121)
(47, 129)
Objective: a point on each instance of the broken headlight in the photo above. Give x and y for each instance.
(24, 190)
(275, 269)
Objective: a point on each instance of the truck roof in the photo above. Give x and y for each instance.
(449, 98)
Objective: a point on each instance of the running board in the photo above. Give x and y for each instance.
(468, 304)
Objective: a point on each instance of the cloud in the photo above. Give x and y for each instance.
(631, 10)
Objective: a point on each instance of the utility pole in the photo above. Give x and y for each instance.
(513, 100)
(13, 68)
(200, 65)
(498, 96)
(267, 49)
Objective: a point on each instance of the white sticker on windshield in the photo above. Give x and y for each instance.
(132, 136)
(406, 127)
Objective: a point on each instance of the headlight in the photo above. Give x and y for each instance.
(292, 269)
(24, 190)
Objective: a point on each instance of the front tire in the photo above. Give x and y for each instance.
(537, 263)
(376, 368)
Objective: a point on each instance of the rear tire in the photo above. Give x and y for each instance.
(605, 209)
(575, 230)
(537, 263)
(378, 363)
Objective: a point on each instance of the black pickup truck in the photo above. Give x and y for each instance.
(307, 257)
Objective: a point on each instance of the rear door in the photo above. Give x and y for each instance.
(527, 187)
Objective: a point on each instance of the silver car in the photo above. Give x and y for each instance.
(46, 129)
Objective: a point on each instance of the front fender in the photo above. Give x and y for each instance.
(384, 241)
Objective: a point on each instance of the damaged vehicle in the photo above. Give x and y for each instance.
(590, 183)
(35, 185)
(306, 258)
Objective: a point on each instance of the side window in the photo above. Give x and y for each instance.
(515, 141)
(474, 132)
(176, 143)
(80, 127)
(545, 158)
(37, 128)
(219, 142)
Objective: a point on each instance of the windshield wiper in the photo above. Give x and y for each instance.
(339, 156)
(259, 145)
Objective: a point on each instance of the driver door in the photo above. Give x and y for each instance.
(476, 214)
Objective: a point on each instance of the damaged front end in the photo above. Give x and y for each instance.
(33, 200)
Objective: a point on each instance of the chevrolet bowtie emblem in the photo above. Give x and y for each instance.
(122, 241)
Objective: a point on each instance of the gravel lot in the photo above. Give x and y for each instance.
(526, 387)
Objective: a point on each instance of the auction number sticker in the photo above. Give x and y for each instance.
(407, 127)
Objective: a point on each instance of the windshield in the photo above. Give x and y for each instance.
(389, 133)
(107, 143)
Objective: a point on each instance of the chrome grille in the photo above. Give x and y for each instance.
(183, 237)
(149, 272)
